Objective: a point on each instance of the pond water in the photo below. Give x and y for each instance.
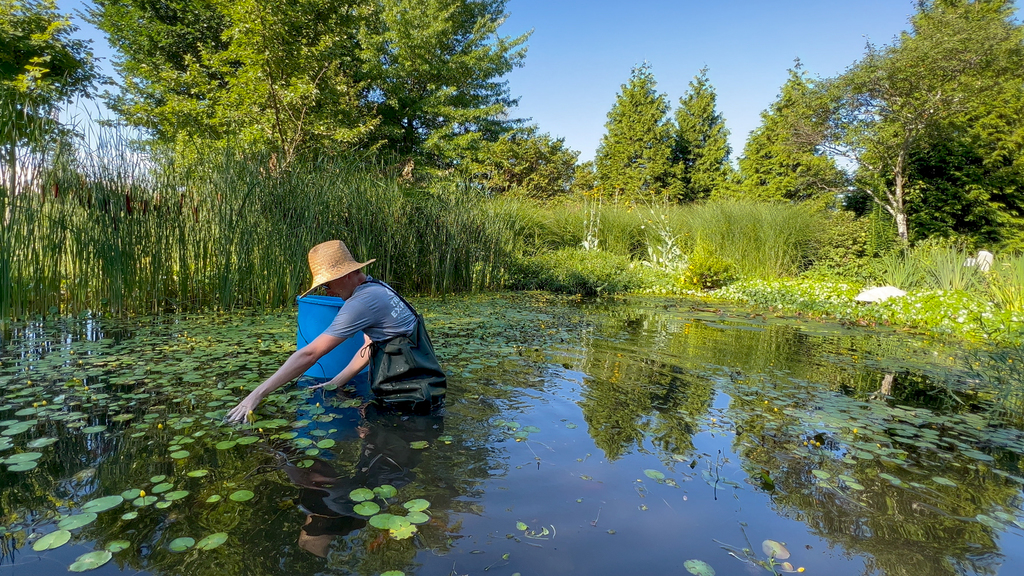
(579, 437)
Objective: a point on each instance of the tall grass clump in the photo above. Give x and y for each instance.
(761, 240)
(1005, 281)
(114, 228)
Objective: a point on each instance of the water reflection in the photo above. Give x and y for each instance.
(616, 426)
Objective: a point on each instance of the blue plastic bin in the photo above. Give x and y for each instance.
(315, 314)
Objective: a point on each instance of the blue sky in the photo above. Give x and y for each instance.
(581, 52)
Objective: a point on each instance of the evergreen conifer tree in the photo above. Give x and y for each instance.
(633, 157)
(781, 159)
(700, 145)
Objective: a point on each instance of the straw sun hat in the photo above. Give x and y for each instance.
(330, 261)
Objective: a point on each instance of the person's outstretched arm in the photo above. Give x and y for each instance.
(293, 367)
(359, 361)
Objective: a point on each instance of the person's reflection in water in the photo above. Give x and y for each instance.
(385, 457)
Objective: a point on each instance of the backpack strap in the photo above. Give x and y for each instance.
(404, 301)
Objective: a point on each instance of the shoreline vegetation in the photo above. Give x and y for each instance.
(110, 230)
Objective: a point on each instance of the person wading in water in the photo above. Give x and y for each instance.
(404, 372)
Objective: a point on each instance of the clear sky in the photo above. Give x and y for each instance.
(581, 52)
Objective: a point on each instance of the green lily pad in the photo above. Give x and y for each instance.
(52, 540)
(91, 561)
(181, 544)
(366, 508)
(214, 498)
(403, 532)
(246, 440)
(118, 545)
(654, 474)
(41, 443)
(94, 430)
(325, 444)
(178, 455)
(158, 479)
(176, 495)
(393, 573)
(242, 495)
(144, 501)
(417, 505)
(380, 521)
(226, 444)
(385, 491)
(102, 504)
(212, 541)
(943, 481)
(77, 521)
(361, 494)
(131, 493)
(419, 444)
(990, 522)
(418, 517)
(197, 473)
(130, 515)
(161, 488)
(699, 568)
(23, 457)
(821, 474)
(22, 467)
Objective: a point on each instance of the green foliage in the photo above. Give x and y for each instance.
(706, 269)
(524, 163)
(958, 313)
(781, 159)
(633, 158)
(841, 246)
(576, 271)
(700, 143)
(1005, 282)
(900, 269)
(762, 240)
(956, 66)
(320, 75)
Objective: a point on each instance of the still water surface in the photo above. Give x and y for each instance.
(579, 437)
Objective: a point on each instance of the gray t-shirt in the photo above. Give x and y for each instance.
(375, 310)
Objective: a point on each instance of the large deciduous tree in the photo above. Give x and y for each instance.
(782, 159)
(421, 79)
(958, 58)
(525, 163)
(700, 144)
(633, 158)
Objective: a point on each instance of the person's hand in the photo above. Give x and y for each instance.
(245, 407)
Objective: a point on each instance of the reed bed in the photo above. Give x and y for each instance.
(112, 229)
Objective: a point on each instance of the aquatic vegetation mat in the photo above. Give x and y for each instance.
(717, 441)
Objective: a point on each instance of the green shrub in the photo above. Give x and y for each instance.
(707, 269)
(577, 271)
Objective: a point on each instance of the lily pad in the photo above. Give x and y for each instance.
(366, 508)
(361, 494)
(943, 481)
(417, 505)
(212, 541)
(654, 474)
(197, 473)
(23, 457)
(242, 496)
(403, 532)
(418, 517)
(91, 561)
(118, 545)
(181, 544)
(94, 430)
(161, 488)
(325, 444)
(130, 515)
(102, 504)
(144, 501)
(419, 444)
(176, 495)
(385, 491)
(52, 540)
(178, 455)
(77, 521)
(41, 443)
(22, 467)
(699, 568)
(226, 444)
(774, 549)
(380, 521)
(821, 474)
(214, 498)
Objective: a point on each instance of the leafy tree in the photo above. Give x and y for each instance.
(958, 57)
(781, 159)
(41, 67)
(433, 74)
(633, 158)
(700, 145)
(420, 80)
(525, 163)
